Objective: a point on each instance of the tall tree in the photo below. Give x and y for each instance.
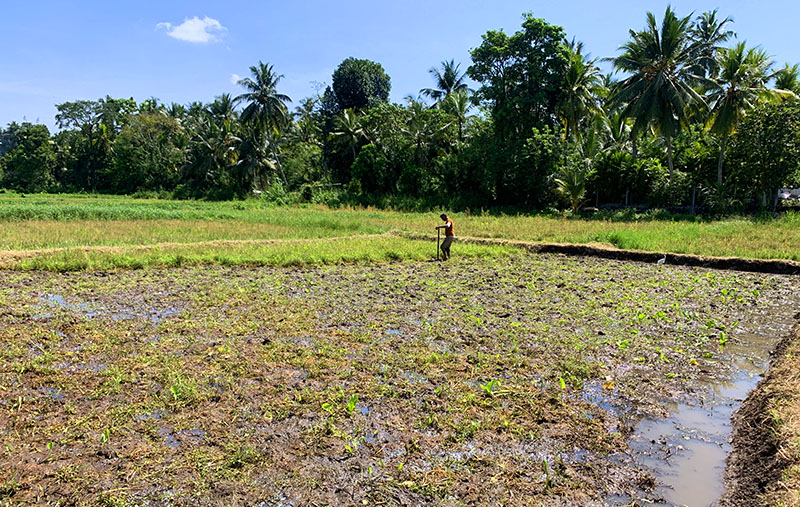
(709, 33)
(359, 83)
(521, 76)
(349, 128)
(522, 83)
(265, 106)
(458, 105)
(788, 78)
(661, 63)
(581, 86)
(766, 148)
(448, 81)
(148, 154)
(29, 166)
(742, 82)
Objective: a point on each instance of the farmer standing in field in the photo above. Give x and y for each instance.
(449, 236)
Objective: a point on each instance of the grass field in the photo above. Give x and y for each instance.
(307, 355)
(54, 230)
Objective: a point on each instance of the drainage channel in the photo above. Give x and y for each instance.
(686, 451)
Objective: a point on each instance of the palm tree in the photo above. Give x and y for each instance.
(423, 133)
(222, 108)
(582, 85)
(177, 111)
(448, 81)
(659, 91)
(709, 34)
(788, 78)
(215, 153)
(306, 120)
(348, 127)
(571, 184)
(265, 106)
(741, 84)
(617, 131)
(458, 105)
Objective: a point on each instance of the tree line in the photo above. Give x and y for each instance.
(689, 117)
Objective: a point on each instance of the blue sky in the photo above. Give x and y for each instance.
(55, 51)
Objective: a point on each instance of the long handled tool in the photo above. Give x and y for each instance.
(438, 236)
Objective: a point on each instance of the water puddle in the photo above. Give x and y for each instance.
(176, 438)
(53, 393)
(52, 303)
(686, 452)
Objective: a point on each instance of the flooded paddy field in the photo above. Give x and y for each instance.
(518, 379)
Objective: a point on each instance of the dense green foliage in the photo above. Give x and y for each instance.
(544, 128)
(358, 84)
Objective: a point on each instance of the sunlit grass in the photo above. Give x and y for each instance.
(42, 222)
(293, 253)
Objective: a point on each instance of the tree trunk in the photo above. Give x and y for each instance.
(721, 158)
(277, 160)
(669, 157)
(694, 194)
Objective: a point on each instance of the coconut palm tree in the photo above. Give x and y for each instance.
(458, 105)
(448, 80)
(423, 133)
(617, 130)
(582, 84)
(709, 34)
(788, 78)
(741, 84)
(265, 106)
(349, 128)
(223, 108)
(660, 62)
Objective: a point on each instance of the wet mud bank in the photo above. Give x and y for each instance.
(764, 466)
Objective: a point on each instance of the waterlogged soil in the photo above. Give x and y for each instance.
(516, 380)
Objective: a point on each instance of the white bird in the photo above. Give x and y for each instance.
(662, 260)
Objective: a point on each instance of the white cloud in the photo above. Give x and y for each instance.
(235, 78)
(195, 30)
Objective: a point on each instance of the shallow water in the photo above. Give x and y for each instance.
(686, 452)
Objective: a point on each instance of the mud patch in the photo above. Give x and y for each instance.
(512, 380)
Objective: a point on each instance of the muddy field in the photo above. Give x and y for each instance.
(514, 380)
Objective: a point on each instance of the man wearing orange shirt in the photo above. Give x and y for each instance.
(449, 236)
